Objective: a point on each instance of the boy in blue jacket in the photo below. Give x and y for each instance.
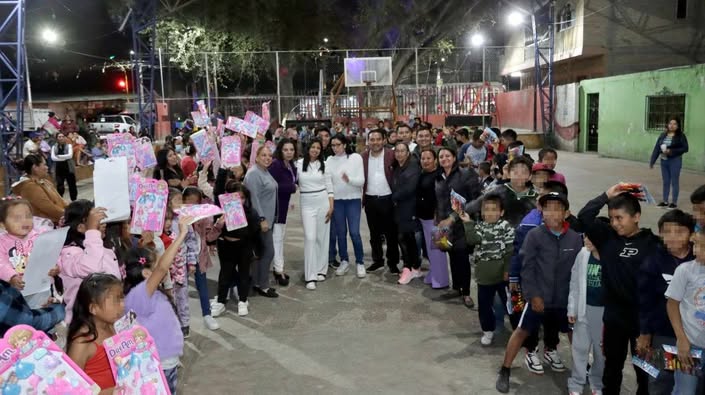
(675, 228)
(548, 253)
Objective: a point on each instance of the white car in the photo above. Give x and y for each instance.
(110, 123)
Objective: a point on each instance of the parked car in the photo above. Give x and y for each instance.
(110, 123)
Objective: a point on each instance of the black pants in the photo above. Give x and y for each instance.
(409, 250)
(379, 211)
(485, 304)
(460, 270)
(615, 341)
(63, 175)
(234, 256)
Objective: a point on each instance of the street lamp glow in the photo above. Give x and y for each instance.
(132, 52)
(477, 40)
(325, 39)
(50, 36)
(515, 18)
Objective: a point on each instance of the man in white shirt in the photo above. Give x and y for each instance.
(377, 162)
(31, 146)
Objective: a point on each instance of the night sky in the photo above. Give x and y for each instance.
(87, 37)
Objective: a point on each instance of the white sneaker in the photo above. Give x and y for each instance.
(242, 308)
(487, 338)
(217, 309)
(533, 363)
(321, 277)
(211, 323)
(214, 301)
(361, 272)
(311, 285)
(342, 269)
(552, 358)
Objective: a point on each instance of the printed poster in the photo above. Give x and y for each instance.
(135, 363)
(240, 126)
(205, 146)
(30, 363)
(232, 151)
(235, 217)
(144, 154)
(150, 207)
(200, 120)
(261, 123)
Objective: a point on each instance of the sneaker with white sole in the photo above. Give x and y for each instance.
(533, 363)
(552, 358)
(321, 277)
(487, 338)
(416, 273)
(217, 309)
(211, 323)
(311, 285)
(342, 269)
(242, 308)
(405, 276)
(361, 271)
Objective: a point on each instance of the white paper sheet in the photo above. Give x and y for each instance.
(110, 188)
(44, 256)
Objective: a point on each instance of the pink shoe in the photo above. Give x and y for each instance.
(416, 273)
(405, 276)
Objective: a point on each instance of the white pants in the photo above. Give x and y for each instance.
(279, 234)
(314, 207)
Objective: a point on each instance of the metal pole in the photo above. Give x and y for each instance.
(482, 90)
(161, 74)
(208, 83)
(537, 69)
(29, 90)
(347, 55)
(416, 78)
(215, 80)
(279, 88)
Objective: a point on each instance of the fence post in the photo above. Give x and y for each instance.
(208, 82)
(279, 94)
(161, 74)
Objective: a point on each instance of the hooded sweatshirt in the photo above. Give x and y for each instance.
(548, 261)
(655, 275)
(622, 258)
(42, 195)
(14, 254)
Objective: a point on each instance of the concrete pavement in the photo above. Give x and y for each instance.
(355, 336)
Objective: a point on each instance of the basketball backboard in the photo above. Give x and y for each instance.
(368, 72)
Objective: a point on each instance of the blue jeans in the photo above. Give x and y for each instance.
(346, 217)
(685, 383)
(332, 253)
(670, 174)
(202, 287)
(171, 379)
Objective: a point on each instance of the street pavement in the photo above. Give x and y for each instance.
(354, 336)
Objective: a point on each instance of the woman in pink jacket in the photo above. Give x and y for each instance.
(84, 253)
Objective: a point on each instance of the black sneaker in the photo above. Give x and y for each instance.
(334, 264)
(502, 384)
(186, 331)
(394, 269)
(672, 205)
(375, 266)
(662, 204)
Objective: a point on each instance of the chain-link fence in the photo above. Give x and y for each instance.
(307, 84)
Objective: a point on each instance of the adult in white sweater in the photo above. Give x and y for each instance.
(347, 172)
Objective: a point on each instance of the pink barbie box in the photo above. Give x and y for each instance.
(30, 363)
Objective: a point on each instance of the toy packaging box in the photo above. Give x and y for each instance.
(30, 363)
(150, 207)
(235, 217)
(135, 363)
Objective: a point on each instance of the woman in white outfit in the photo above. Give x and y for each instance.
(316, 188)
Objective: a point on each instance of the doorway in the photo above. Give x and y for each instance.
(592, 121)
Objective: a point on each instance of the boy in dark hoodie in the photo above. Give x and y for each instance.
(549, 252)
(675, 228)
(698, 201)
(622, 253)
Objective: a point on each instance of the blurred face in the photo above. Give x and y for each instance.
(699, 213)
(41, 170)
(405, 134)
(288, 151)
(338, 147)
(176, 202)
(675, 237)
(168, 222)
(539, 178)
(172, 159)
(672, 125)
(264, 158)
(491, 213)
(699, 247)
(519, 176)
(60, 138)
(624, 223)
(112, 308)
(478, 143)
(588, 244)
(554, 214)
(549, 160)
(376, 142)
(401, 153)
(423, 138)
(192, 199)
(314, 151)
(428, 162)
(19, 220)
(446, 159)
(393, 138)
(325, 138)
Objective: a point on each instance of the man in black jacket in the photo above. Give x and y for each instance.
(622, 254)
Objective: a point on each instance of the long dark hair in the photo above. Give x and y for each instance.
(92, 291)
(679, 131)
(234, 186)
(76, 214)
(116, 240)
(307, 156)
(139, 259)
(278, 153)
(163, 164)
(29, 162)
(343, 140)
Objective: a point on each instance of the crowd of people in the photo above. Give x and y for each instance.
(466, 199)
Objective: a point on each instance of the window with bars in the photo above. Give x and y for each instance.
(660, 108)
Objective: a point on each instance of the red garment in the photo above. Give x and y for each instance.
(98, 368)
(439, 139)
(166, 239)
(188, 166)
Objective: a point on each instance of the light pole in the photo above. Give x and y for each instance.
(478, 40)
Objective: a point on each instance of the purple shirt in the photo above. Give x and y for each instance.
(157, 315)
(286, 178)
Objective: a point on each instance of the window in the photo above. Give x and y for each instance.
(682, 9)
(660, 108)
(565, 17)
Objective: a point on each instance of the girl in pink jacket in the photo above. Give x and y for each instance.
(17, 239)
(84, 253)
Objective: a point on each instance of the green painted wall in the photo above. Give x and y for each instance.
(622, 115)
